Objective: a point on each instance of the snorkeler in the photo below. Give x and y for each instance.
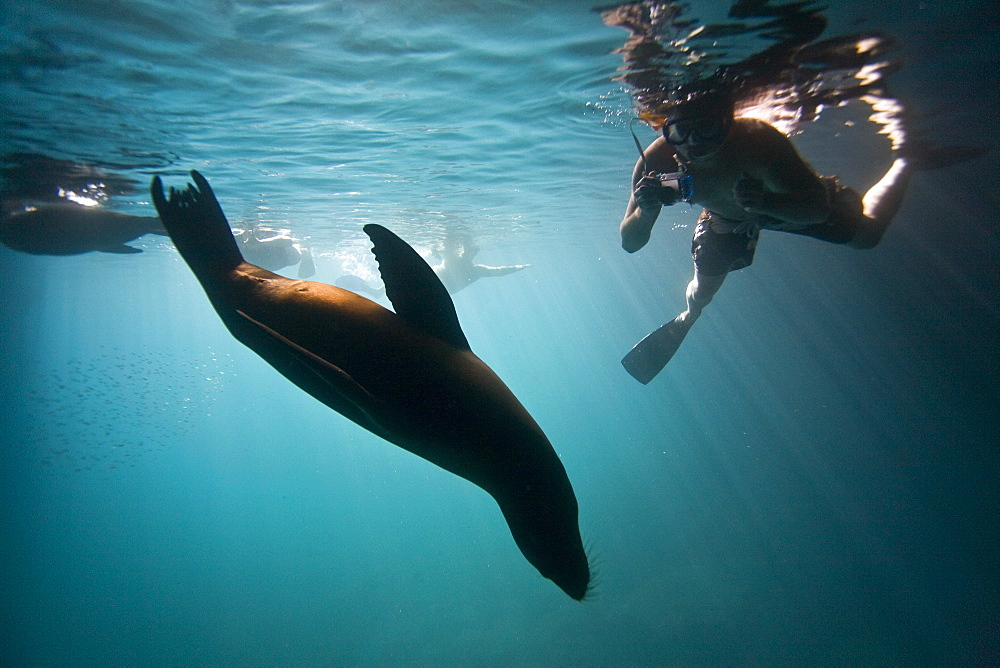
(457, 269)
(748, 177)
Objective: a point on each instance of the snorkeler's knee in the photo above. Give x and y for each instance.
(702, 288)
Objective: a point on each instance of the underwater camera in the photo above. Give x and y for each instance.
(677, 187)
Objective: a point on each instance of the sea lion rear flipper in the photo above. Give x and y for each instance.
(339, 379)
(197, 226)
(416, 293)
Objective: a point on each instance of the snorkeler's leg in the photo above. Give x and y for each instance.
(881, 203)
(699, 294)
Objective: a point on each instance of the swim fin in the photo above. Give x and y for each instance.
(924, 155)
(648, 357)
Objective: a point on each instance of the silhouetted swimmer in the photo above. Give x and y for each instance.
(457, 270)
(360, 285)
(275, 251)
(408, 377)
(72, 229)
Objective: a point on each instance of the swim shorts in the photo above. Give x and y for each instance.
(720, 245)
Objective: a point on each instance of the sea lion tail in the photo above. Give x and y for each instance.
(197, 226)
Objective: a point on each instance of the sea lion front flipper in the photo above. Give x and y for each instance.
(332, 374)
(416, 293)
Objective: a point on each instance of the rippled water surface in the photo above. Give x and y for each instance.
(811, 480)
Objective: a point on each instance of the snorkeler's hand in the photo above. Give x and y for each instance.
(748, 193)
(647, 194)
(650, 194)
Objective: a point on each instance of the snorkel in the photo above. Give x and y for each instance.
(681, 184)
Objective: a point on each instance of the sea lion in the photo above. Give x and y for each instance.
(408, 377)
(72, 229)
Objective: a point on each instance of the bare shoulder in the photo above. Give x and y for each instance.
(770, 145)
(660, 155)
(759, 132)
(776, 160)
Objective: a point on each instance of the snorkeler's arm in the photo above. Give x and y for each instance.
(484, 270)
(786, 187)
(644, 202)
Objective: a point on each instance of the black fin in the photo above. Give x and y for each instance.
(416, 293)
(648, 357)
(925, 155)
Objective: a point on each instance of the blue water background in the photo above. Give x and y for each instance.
(813, 479)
